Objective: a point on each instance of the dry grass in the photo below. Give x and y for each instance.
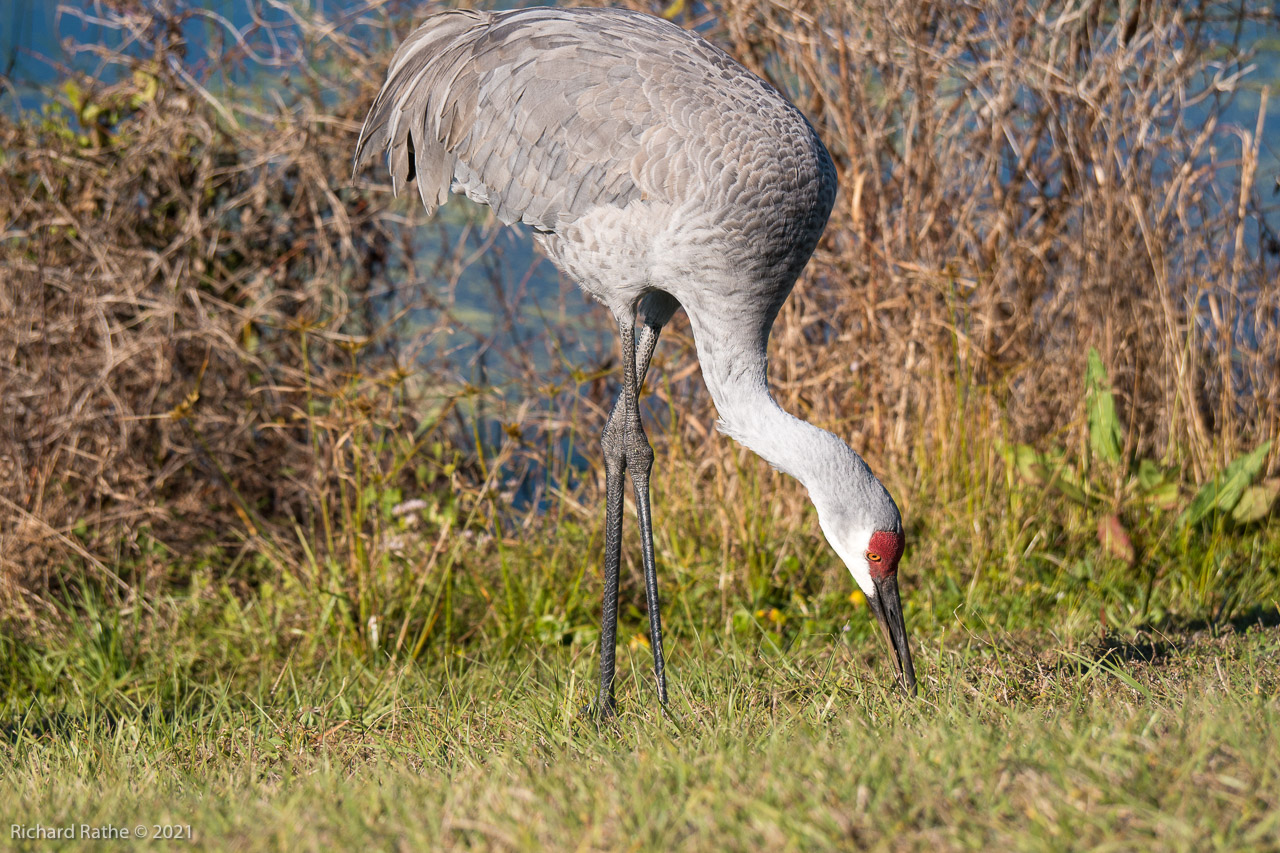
(170, 248)
(1021, 182)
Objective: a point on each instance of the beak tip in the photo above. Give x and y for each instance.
(887, 608)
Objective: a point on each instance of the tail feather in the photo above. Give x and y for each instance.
(426, 99)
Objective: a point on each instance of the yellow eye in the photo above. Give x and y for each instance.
(873, 556)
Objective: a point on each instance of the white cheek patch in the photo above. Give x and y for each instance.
(851, 546)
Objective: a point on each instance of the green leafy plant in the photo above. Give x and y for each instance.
(1234, 491)
(1111, 487)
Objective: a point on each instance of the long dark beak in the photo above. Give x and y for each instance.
(886, 604)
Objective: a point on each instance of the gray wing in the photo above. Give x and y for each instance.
(546, 113)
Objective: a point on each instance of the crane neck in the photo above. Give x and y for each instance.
(736, 373)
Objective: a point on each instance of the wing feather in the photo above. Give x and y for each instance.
(498, 105)
(546, 113)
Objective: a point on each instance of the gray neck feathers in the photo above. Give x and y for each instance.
(839, 481)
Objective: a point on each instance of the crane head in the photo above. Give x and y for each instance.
(871, 554)
(884, 550)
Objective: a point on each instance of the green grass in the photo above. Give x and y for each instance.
(221, 711)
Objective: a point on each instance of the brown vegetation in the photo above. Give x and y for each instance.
(1020, 184)
(188, 347)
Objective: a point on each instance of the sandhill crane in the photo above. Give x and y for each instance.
(658, 173)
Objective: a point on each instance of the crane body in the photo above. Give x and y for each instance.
(658, 173)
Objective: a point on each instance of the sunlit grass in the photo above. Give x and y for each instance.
(264, 724)
(1015, 741)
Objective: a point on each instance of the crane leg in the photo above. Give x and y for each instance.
(615, 463)
(618, 440)
(640, 464)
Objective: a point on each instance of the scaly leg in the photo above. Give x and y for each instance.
(640, 464)
(615, 443)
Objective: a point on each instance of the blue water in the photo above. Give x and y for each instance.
(242, 37)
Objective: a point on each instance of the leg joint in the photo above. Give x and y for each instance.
(639, 454)
(613, 441)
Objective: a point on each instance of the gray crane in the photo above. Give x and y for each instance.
(658, 173)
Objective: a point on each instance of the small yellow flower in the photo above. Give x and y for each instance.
(856, 598)
(638, 641)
